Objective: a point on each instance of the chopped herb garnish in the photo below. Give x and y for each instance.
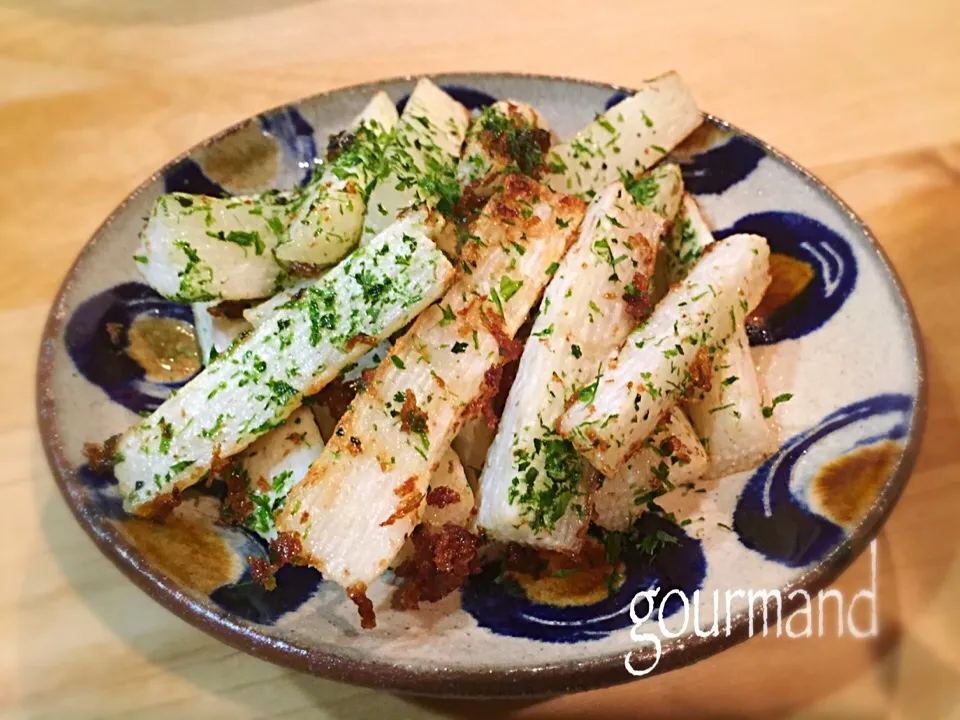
(587, 393)
(509, 288)
(280, 480)
(496, 300)
(242, 238)
(448, 315)
(313, 310)
(166, 435)
(606, 125)
(722, 407)
(181, 466)
(768, 409)
(643, 190)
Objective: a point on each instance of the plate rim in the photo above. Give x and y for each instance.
(489, 682)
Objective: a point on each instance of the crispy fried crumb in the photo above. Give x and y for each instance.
(443, 559)
(160, 507)
(440, 497)
(100, 455)
(412, 418)
(302, 269)
(358, 594)
(230, 309)
(262, 572)
(701, 374)
(638, 298)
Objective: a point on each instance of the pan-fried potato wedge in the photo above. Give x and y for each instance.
(367, 491)
(671, 456)
(533, 487)
(729, 416)
(737, 436)
(328, 219)
(660, 360)
(255, 386)
(196, 248)
(276, 462)
(508, 135)
(420, 159)
(630, 137)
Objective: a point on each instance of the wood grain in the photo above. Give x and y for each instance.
(94, 96)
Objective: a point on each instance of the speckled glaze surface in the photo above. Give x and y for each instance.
(843, 342)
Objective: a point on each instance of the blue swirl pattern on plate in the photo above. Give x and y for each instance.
(102, 359)
(187, 176)
(715, 170)
(828, 255)
(503, 609)
(102, 492)
(618, 97)
(771, 520)
(470, 98)
(295, 135)
(248, 599)
(720, 168)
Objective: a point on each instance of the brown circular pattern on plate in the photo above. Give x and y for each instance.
(242, 161)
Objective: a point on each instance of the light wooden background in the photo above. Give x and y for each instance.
(94, 96)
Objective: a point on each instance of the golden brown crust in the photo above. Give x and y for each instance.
(672, 446)
(482, 404)
(506, 217)
(360, 339)
(160, 507)
(237, 506)
(498, 144)
(406, 487)
(285, 548)
(230, 309)
(410, 503)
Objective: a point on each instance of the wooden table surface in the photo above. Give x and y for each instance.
(94, 96)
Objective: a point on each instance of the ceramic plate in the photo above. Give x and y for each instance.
(840, 337)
